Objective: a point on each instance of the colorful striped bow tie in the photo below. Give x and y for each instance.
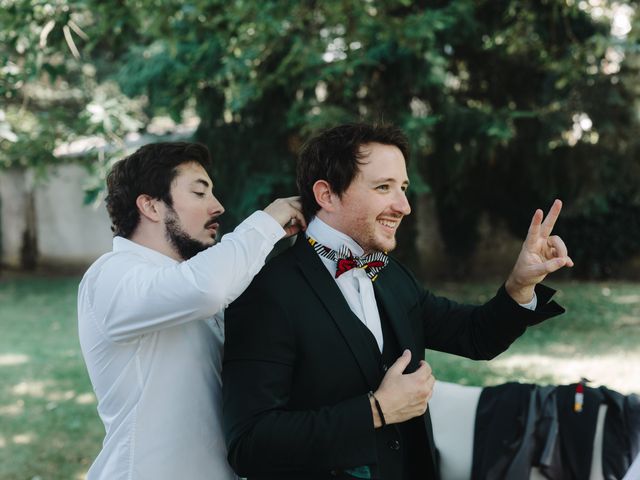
(345, 261)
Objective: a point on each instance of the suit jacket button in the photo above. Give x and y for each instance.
(384, 367)
(394, 445)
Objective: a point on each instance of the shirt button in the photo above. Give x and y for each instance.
(394, 445)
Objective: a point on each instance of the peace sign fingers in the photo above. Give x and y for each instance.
(541, 254)
(550, 221)
(534, 230)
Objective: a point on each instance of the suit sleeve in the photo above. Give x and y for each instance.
(481, 332)
(263, 435)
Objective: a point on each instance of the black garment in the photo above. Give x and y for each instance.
(416, 461)
(621, 442)
(519, 426)
(297, 368)
(516, 427)
(400, 447)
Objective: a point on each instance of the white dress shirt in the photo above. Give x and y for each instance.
(634, 470)
(354, 284)
(151, 331)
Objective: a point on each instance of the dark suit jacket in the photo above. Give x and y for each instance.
(297, 367)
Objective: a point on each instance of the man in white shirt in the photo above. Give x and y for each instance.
(324, 371)
(150, 313)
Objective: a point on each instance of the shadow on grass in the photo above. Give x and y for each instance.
(597, 338)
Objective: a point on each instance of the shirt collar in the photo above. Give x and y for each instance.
(121, 244)
(332, 238)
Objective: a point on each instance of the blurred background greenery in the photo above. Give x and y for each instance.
(508, 103)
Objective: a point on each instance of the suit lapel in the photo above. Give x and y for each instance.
(384, 288)
(331, 297)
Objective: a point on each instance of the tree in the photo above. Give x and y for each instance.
(545, 106)
(507, 103)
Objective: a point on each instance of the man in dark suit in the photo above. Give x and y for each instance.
(323, 371)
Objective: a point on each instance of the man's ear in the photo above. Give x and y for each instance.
(324, 195)
(148, 207)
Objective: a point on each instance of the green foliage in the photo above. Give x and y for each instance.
(52, 89)
(538, 110)
(267, 75)
(508, 104)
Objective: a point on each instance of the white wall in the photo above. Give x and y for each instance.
(68, 231)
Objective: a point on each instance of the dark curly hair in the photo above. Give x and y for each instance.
(149, 170)
(334, 156)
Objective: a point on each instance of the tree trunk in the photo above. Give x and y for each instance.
(18, 219)
(29, 250)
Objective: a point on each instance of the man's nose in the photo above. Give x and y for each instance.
(401, 204)
(216, 207)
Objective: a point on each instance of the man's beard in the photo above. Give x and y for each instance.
(186, 246)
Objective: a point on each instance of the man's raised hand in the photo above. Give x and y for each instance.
(541, 254)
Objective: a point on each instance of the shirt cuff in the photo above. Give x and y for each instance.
(532, 304)
(263, 223)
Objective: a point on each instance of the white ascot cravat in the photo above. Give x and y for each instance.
(355, 285)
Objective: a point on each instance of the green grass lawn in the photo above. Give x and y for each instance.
(597, 338)
(49, 427)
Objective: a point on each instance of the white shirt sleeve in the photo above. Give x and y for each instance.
(133, 295)
(634, 470)
(532, 304)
